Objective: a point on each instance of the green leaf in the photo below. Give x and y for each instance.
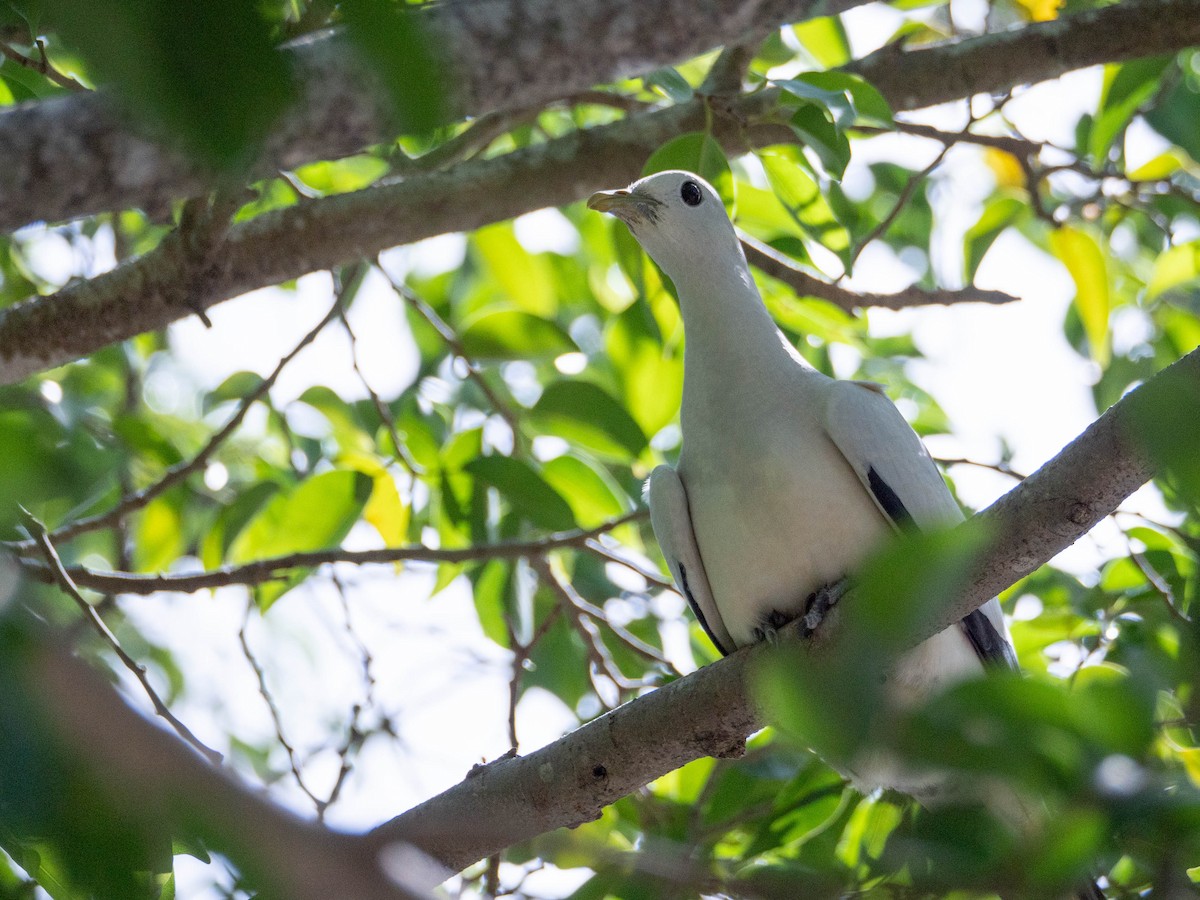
(525, 279)
(849, 97)
(316, 514)
(587, 414)
(493, 589)
(1084, 259)
(525, 490)
(801, 197)
(593, 496)
(670, 84)
(1126, 87)
(818, 132)
(697, 152)
(1175, 115)
(352, 173)
(212, 78)
(512, 334)
(159, 540)
(651, 376)
(997, 215)
(825, 40)
(391, 38)
(343, 422)
(235, 387)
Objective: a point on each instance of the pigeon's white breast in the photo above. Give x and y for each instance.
(777, 511)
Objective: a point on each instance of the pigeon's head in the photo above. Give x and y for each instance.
(678, 219)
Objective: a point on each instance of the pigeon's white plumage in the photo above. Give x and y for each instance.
(787, 479)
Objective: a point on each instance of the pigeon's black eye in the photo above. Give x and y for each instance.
(691, 193)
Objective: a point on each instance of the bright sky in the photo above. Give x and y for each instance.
(1001, 373)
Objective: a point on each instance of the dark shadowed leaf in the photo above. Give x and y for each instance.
(525, 490)
(393, 40)
(511, 334)
(207, 74)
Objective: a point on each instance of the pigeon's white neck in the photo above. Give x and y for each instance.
(728, 330)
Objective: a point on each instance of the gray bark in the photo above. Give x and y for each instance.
(168, 284)
(78, 155)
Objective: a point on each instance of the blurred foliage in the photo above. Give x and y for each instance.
(546, 387)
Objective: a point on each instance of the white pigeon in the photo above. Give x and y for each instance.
(787, 479)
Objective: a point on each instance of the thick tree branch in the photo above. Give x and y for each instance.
(77, 156)
(158, 288)
(710, 712)
(911, 79)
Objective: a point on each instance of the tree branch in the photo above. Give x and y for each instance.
(146, 294)
(264, 570)
(768, 260)
(500, 55)
(157, 781)
(710, 712)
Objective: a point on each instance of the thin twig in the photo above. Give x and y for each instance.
(634, 642)
(584, 616)
(1002, 467)
(179, 472)
(42, 539)
(452, 341)
(260, 571)
(276, 718)
(381, 408)
(597, 548)
(906, 194)
(41, 66)
(1160, 585)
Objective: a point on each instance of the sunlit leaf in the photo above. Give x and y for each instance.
(1176, 269)
(1126, 87)
(825, 40)
(316, 514)
(593, 497)
(802, 198)
(998, 214)
(524, 279)
(587, 414)
(1084, 259)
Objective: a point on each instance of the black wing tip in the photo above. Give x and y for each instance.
(990, 646)
(893, 507)
(697, 611)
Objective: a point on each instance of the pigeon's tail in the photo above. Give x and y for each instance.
(1090, 891)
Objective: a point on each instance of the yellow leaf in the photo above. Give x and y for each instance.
(1041, 10)
(1162, 166)
(1191, 762)
(386, 511)
(1079, 252)
(1005, 167)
